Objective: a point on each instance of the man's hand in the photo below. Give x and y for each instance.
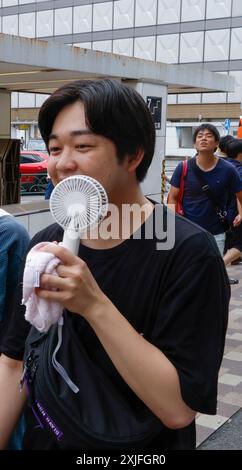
(237, 221)
(75, 287)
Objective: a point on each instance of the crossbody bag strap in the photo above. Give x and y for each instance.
(207, 190)
(182, 186)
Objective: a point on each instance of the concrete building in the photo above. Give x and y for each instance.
(32, 65)
(204, 33)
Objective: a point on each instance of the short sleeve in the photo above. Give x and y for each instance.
(176, 177)
(235, 181)
(191, 328)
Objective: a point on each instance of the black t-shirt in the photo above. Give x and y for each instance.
(177, 298)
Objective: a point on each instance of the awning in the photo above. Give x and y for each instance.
(32, 65)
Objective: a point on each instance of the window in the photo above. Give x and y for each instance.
(30, 158)
(185, 137)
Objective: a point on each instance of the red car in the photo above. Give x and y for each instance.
(33, 170)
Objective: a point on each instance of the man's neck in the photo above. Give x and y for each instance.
(206, 160)
(121, 222)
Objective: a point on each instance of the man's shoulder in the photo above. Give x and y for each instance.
(193, 251)
(189, 234)
(11, 227)
(227, 164)
(189, 238)
(236, 164)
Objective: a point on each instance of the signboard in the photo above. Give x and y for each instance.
(227, 124)
(23, 127)
(154, 105)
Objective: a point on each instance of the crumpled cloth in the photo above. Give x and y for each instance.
(40, 313)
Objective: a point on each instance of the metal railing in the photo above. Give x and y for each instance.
(32, 183)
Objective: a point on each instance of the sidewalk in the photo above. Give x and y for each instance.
(230, 377)
(227, 437)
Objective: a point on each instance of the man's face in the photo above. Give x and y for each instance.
(205, 141)
(75, 150)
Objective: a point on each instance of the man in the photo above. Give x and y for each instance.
(143, 333)
(14, 240)
(22, 146)
(218, 176)
(233, 244)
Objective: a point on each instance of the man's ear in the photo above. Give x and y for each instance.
(134, 160)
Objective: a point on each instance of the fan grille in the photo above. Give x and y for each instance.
(78, 203)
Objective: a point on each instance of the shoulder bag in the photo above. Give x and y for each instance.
(97, 415)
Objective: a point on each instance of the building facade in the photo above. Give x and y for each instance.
(206, 33)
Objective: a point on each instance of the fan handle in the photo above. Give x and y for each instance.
(71, 240)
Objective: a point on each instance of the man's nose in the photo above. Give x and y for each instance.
(66, 161)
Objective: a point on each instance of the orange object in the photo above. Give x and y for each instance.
(239, 130)
(179, 208)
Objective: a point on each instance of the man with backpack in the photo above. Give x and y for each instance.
(142, 332)
(209, 183)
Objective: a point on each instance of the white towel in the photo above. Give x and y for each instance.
(39, 312)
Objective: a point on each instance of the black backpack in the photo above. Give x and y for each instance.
(98, 416)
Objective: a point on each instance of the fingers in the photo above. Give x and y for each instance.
(49, 294)
(65, 255)
(237, 221)
(50, 281)
(52, 288)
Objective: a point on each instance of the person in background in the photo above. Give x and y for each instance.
(49, 187)
(222, 150)
(233, 244)
(22, 145)
(14, 240)
(143, 329)
(218, 175)
(231, 252)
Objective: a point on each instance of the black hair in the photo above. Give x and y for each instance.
(225, 141)
(113, 110)
(209, 127)
(234, 148)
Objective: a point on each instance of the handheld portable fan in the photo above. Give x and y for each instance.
(78, 203)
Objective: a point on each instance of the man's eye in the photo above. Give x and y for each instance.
(54, 149)
(82, 146)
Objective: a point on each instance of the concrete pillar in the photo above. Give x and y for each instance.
(5, 114)
(156, 98)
